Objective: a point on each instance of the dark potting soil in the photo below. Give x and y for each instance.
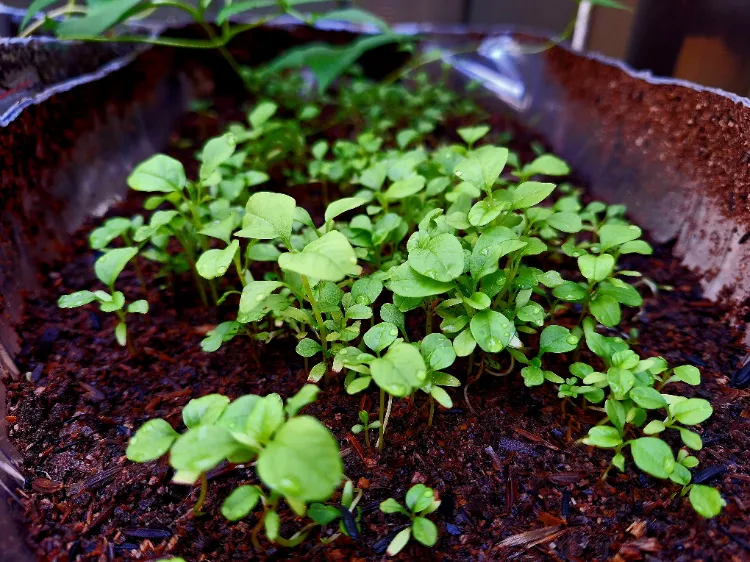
(513, 482)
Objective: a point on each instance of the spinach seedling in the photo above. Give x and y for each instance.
(420, 502)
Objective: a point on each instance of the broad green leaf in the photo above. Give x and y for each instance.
(570, 292)
(616, 413)
(603, 436)
(374, 176)
(441, 397)
(268, 216)
(160, 173)
(202, 449)
(546, 165)
(111, 229)
(566, 222)
(611, 235)
(151, 441)
(74, 300)
(648, 398)
(329, 258)
(482, 166)
(392, 506)
(234, 417)
(492, 245)
(366, 290)
(424, 531)
(596, 268)
(341, 206)
(692, 411)
(380, 336)
(253, 296)
(492, 331)
(400, 370)
(654, 427)
(620, 291)
(406, 282)
(399, 542)
(389, 313)
(620, 381)
(405, 188)
(323, 514)
(110, 265)
(687, 374)
(240, 502)
(652, 455)
(216, 151)
(478, 301)
(532, 313)
(261, 114)
(264, 419)
(531, 193)
(485, 211)
(419, 497)
(636, 247)
(532, 375)
(438, 351)
(606, 310)
(306, 395)
(98, 19)
(158, 220)
(464, 343)
(405, 136)
(557, 339)
(220, 229)
(470, 135)
(115, 302)
(205, 410)
(706, 500)
(691, 439)
(302, 461)
(308, 347)
(440, 257)
(254, 177)
(263, 252)
(215, 263)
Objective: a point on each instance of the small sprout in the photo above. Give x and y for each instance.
(420, 502)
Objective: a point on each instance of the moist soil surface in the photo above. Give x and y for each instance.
(513, 481)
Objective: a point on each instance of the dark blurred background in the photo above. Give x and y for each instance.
(705, 41)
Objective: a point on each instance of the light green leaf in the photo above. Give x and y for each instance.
(160, 173)
(596, 268)
(557, 339)
(216, 151)
(74, 300)
(138, 307)
(654, 427)
(205, 410)
(399, 542)
(492, 331)
(240, 502)
(687, 374)
(440, 257)
(406, 282)
(691, 439)
(531, 193)
(121, 333)
(492, 245)
(215, 263)
(424, 531)
(532, 376)
(620, 381)
(307, 347)
(99, 18)
(570, 292)
(648, 398)
(441, 397)
(392, 506)
(637, 247)
(470, 135)
(438, 351)
(111, 229)
(266, 416)
(566, 222)
(606, 310)
(464, 343)
(380, 336)
(268, 216)
(603, 436)
(620, 291)
(405, 188)
(706, 500)
(253, 296)
(272, 525)
(151, 441)
(478, 301)
(374, 176)
(110, 265)
(261, 114)
(329, 258)
(202, 449)
(692, 411)
(546, 165)
(652, 455)
(485, 211)
(482, 166)
(611, 235)
(366, 290)
(341, 206)
(306, 395)
(302, 461)
(220, 229)
(400, 370)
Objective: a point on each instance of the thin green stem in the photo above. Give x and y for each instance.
(64, 11)
(318, 316)
(202, 496)
(381, 418)
(432, 411)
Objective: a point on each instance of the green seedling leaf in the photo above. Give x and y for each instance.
(424, 531)
(546, 165)
(205, 410)
(111, 229)
(215, 263)
(691, 439)
(272, 525)
(358, 16)
(110, 265)
(99, 17)
(482, 166)
(74, 300)
(654, 427)
(405, 137)
(374, 176)
(306, 395)
(220, 229)
(464, 343)
(121, 333)
(485, 211)
(620, 291)
(151, 441)
(419, 497)
(202, 449)
(217, 151)
(366, 291)
(405, 188)
(380, 336)
(438, 351)
(263, 252)
(603, 436)
(532, 375)
(323, 514)
(254, 295)
(399, 542)
(692, 411)
(706, 501)
(138, 307)
(234, 417)
(264, 419)
(268, 216)
(329, 258)
(440, 258)
(557, 339)
(648, 398)
(261, 114)
(400, 370)
(637, 247)
(652, 455)
(606, 310)
(441, 396)
(687, 374)
(492, 245)
(341, 206)
(492, 330)
(478, 301)
(302, 462)
(406, 282)
(620, 381)
(596, 268)
(611, 235)
(565, 222)
(308, 348)
(160, 173)
(531, 193)
(570, 292)
(240, 502)
(471, 135)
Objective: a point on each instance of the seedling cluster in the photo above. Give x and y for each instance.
(431, 265)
